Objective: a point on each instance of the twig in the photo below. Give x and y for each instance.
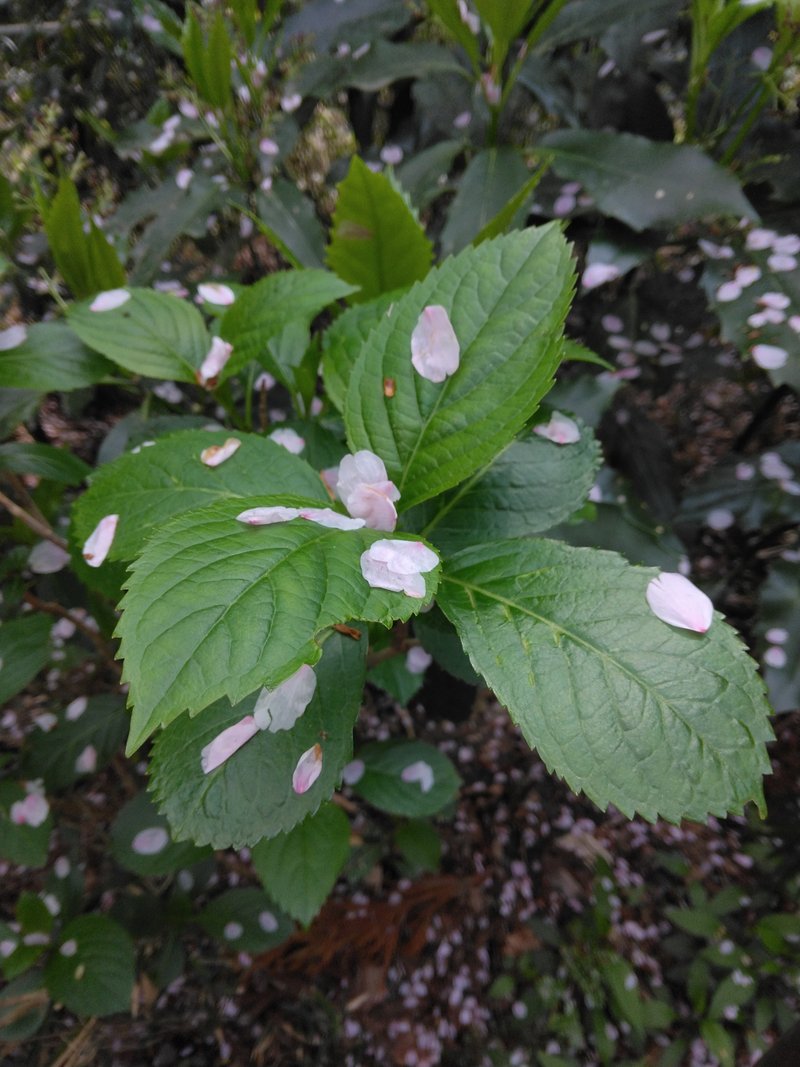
(50, 607)
(42, 529)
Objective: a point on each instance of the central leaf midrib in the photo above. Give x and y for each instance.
(602, 654)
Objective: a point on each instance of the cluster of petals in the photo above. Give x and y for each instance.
(110, 300)
(211, 367)
(363, 486)
(561, 429)
(34, 809)
(677, 601)
(98, 543)
(435, 350)
(276, 709)
(214, 455)
(398, 566)
(267, 516)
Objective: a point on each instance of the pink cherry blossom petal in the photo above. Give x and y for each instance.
(216, 293)
(420, 772)
(561, 429)
(677, 601)
(597, 274)
(266, 516)
(281, 707)
(110, 300)
(288, 439)
(769, 357)
(216, 454)
(308, 769)
(435, 350)
(47, 558)
(330, 518)
(363, 486)
(353, 772)
(151, 841)
(418, 660)
(211, 367)
(98, 543)
(398, 566)
(226, 743)
(32, 811)
(86, 763)
(13, 337)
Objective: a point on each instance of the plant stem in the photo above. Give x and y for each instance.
(39, 527)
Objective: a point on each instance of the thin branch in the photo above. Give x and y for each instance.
(41, 528)
(50, 607)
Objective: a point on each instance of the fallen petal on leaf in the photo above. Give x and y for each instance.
(98, 543)
(363, 486)
(151, 841)
(281, 707)
(216, 454)
(435, 350)
(289, 440)
(308, 769)
(110, 299)
(561, 429)
(211, 367)
(216, 293)
(225, 744)
(421, 772)
(267, 515)
(677, 601)
(398, 566)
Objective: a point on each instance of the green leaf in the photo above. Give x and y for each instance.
(24, 1004)
(26, 846)
(623, 987)
(495, 178)
(626, 708)
(52, 755)
(424, 175)
(505, 20)
(420, 844)
(246, 920)
(24, 650)
(396, 679)
(377, 242)
(449, 15)
(718, 1042)
(222, 808)
(152, 334)
(382, 64)
(140, 841)
(218, 608)
(507, 300)
(217, 62)
(529, 487)
(582, 19)
(149, 488)
(289, 219)
(512, 213)
(95, 975)
(47, 462)
(343, 341)
(438, 636)
(264, 310)
(646, 183)
(382, 784)
(299, 868)
(52, 358)
(160, 215)
(87, 261)
(699, 922)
